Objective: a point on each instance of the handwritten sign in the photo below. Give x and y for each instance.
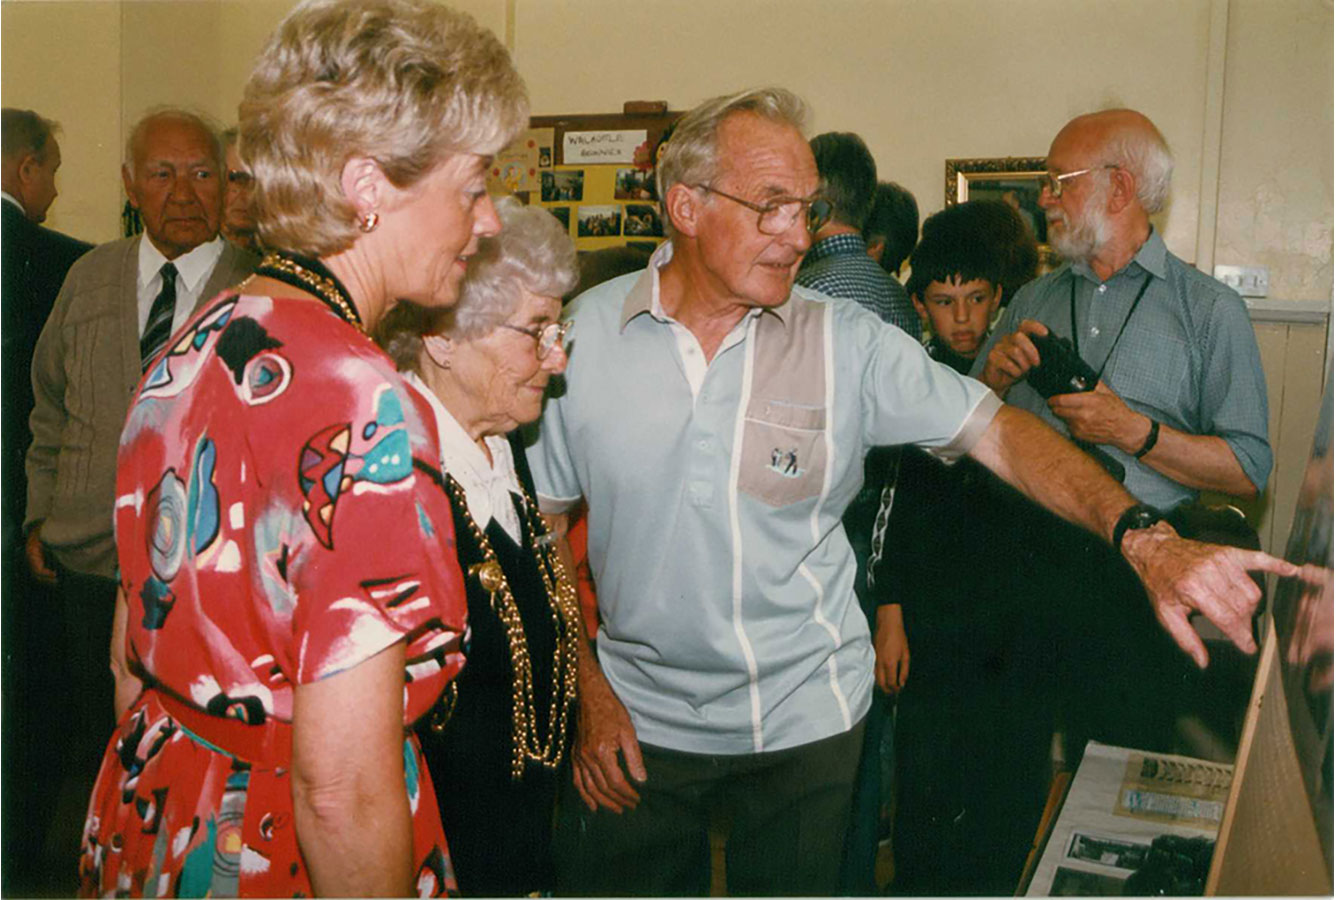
(601, 147)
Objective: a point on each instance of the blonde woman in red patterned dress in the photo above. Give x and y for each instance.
(286, 610)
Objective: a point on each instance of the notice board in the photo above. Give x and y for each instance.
(594, 172)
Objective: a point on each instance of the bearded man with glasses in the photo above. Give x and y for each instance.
(715, 419)
(1180, 404)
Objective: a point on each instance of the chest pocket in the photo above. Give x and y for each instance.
(1153, 369)
(783, 452)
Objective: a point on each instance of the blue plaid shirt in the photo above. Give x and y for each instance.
(838, 266)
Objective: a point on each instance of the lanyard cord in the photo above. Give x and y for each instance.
(1076, 340)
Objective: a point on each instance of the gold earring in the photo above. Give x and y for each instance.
(368, 222)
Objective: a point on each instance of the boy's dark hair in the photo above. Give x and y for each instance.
(850, 175)
(894, 217)
(984, 239)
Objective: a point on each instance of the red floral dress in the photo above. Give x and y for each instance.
(279, 519)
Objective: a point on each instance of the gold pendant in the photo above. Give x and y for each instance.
(489, 575)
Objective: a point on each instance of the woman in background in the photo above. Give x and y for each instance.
(495, 744)
(286, 612)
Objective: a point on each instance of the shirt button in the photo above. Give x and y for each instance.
(1094, 331)
(702, 445)
(1103, 288)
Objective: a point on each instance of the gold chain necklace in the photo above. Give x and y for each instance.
(302, 274)
(527, 746)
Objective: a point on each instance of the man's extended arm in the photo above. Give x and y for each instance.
(1180, 575)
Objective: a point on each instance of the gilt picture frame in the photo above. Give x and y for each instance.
(1015, 180)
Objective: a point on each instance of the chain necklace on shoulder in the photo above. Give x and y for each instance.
(527, 744)
(315, 277)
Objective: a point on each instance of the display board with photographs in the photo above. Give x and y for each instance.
(595, 173)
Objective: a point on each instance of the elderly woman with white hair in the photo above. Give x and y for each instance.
(496, 743)
(286, 611)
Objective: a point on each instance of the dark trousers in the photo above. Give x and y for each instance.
(785, 814)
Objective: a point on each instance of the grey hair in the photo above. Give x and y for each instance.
(1143, 151)
(532, 252)
(159, 113)
(692, 153)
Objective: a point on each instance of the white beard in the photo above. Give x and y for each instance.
(1082, 239)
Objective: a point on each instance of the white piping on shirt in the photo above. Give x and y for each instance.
(735, 529)
(818, 589)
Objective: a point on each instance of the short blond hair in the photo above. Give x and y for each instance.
(692, 153)
(404, 82)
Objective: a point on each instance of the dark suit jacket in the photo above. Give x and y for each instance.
(84, 370)
(33, 265)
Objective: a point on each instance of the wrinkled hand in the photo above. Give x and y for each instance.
(603, 730)
(1183, 576)
(1101, 417)
(36, 552)
(891, 648)
(1013, 356)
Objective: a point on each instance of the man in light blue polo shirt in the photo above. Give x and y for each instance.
(715, 420)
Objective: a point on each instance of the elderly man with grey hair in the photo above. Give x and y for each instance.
(1180, 403)
(715, 420)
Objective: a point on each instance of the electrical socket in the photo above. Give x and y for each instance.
(1249, 281)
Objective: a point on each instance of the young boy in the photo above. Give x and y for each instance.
(951, 561)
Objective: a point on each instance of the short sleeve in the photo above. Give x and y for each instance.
(375, 561)
(910, 398)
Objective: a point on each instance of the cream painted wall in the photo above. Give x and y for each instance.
(920, 81)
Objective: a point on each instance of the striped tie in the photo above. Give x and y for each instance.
(159, 326)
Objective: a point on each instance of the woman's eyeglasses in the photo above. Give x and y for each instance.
(547, 336)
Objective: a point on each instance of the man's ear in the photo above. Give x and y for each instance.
(683, 206)
(875, 247)
(1122, 190)
(364, 185)
(130, 192)
(921, 310)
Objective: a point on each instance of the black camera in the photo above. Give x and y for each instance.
(1061, 369)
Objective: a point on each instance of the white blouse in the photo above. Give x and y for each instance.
(487, 486)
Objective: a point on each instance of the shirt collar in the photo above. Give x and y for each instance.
(644, 294)
(1151, 258)
(836, 245)
(191, 268)
(9, 198)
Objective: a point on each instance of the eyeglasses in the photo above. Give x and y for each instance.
(778, 216)
(1054, 182)
(548, 336)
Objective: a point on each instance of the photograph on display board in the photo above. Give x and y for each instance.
(643, 221)
(600, 221)
(563, 185)
(563, 214)
(635, 184)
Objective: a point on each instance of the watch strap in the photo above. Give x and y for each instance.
(1137, 516)
(1150, 440)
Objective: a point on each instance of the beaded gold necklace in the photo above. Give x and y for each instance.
(526, 744)
(312, 275)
